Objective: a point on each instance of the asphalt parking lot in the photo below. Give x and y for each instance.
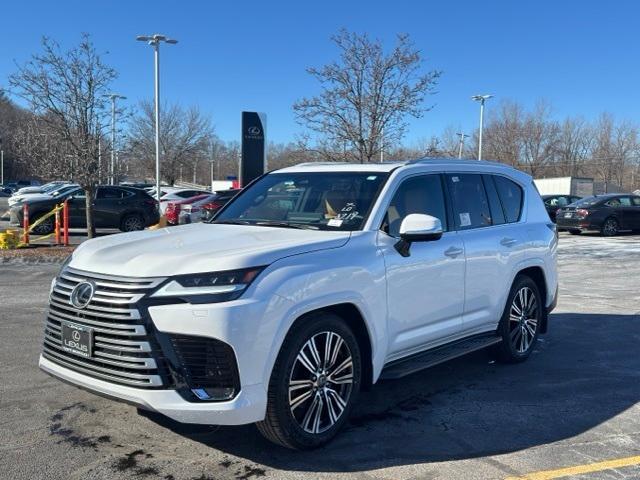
(575, 402)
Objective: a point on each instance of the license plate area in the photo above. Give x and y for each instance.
(77, 339)
(567, 215)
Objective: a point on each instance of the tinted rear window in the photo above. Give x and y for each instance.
(511, 197)
(587, 201)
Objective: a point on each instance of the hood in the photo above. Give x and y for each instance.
(198, 247)
(28, 197)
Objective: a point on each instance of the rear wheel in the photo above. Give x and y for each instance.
(609, 227)
(131, 223)
(520, 323)
(314, 383)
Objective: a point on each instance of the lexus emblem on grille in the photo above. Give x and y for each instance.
(82, 294)
(76, 335)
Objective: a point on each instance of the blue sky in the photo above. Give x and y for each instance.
(582, 56)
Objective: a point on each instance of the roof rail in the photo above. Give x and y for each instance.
(459, 160)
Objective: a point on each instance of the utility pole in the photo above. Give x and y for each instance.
(481, 99)
(155, 40)
(113, 97)
(462, 137)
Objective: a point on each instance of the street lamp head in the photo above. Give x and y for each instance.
(481, 98)
(155, 39)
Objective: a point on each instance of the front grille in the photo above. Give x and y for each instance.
(206, 362)
(124, 351)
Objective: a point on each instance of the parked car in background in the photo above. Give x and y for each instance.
(125, 208)
(204, 210)
(177, 195)
(17, 199)
(14, 186)
(313, 283)
(607, 214)
(47, 187)
(553, 202)
(172, 212)
(5, 191)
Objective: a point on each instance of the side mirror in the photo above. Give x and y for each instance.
(417, 227)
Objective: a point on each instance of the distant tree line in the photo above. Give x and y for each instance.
(360, 111)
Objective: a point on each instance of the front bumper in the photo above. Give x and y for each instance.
(248, 406)
(170, 351)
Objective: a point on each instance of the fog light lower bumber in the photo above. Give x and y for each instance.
(214, 394)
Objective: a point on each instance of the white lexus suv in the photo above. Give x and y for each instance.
(312, 284)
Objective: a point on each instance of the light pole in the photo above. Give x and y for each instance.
(155, 40)
(481, 99)
(462, 137)
(1, 163)
(113, 97)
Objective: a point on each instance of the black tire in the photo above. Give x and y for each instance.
(284, 427)
(132, 222)
(45, 228)
(574, 232)
(515, 332)
(609, 227)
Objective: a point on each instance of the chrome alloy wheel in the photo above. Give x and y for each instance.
(523, 319)
(321, 381)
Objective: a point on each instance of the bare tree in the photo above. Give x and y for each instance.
(366, 97)
(573, 147)
(185, 136)
(65, 89)
(539, 138)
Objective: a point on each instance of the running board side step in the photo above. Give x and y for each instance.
(435, 356)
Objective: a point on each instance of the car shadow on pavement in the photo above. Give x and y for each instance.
(583, 373)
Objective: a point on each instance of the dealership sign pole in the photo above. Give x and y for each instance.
(253, 161)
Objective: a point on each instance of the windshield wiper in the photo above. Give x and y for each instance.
(232, 222)
(299, 226)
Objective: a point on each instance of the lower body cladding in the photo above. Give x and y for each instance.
(210, 363)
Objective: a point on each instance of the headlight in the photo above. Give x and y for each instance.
(209, 287)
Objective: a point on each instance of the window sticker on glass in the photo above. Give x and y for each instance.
(465, 219)
(455, 179)
(372, 177)
(334, 222)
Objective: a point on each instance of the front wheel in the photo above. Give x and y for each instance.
(315, 381)
(45, 228)
(520, 323)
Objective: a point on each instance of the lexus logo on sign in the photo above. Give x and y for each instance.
(76, 335)
(82, 294)
(253, 131)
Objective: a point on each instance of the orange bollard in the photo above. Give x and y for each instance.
(65, 223)
(25, 224)
(57, 226)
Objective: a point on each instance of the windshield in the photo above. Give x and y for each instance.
(315, 200)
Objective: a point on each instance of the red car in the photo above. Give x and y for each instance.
(203, 210)
(172, 211)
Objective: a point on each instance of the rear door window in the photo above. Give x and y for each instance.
(636, 201)
(105, 193)
(470, 202)
(511, 197)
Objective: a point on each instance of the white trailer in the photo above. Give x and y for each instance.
(582, 187)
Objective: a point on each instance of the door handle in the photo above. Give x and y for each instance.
(453, 252)
(508, 242)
